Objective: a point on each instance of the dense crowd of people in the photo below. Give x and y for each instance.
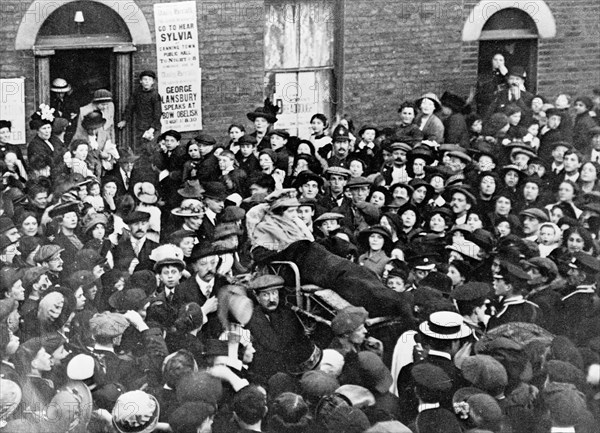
(448, 264)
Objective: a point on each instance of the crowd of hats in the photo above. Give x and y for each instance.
(514, 377)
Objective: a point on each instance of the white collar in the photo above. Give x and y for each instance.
(562, 430)
(440, 354)
(205, 288)
(427, 406)
(104, 347)
(581, 289)
(211, 215)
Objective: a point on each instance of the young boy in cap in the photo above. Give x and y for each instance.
(144, 110)
(246, 158)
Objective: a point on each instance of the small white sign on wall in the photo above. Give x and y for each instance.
(12, 107)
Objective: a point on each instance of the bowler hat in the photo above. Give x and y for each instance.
(517, 71)
(136, 216)
(191, 189)
(454, 102)
(127, 156)
(215, 190)
(203, 249)
(5, 242)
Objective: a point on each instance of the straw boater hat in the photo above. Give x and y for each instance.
(60, 85)
(445, 325)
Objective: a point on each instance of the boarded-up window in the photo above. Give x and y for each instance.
(299, 61)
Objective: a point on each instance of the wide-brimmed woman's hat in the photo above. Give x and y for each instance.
(268, 112)
(363, 237)
(433, 97)
(93, 120)
(189, 208)
(145, 192)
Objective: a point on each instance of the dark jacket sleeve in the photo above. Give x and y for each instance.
(156, 111)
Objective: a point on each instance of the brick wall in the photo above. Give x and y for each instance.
(393, 50)
(396, 50)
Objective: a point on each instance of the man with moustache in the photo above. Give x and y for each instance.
(48, 256)
(215, 194)
(274, 328)
(203, 287)
(577, 318)
(341, 147)
(358, 213)
(133, 253)
(396, 172)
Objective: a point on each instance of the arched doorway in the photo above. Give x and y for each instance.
(512, 33)
(88, 42)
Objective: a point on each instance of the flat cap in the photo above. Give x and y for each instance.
(585, 262)
(329, 216)
(348, 320)
(471, 291)
(46, 252)
(536, 213)
(339, 171)
(108, 325)
(266, 282)
(358, 181)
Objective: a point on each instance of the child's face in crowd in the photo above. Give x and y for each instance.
(225, 162)
(580, 107)
(266, 163)
(194, 151)
(81, 152)
(205, 149)
(99, 231)
(503, 228)
(147, 82)
(356, 168)
(277, 142)
(246, 150)
(235, 133)
(533, 129)
(170, 276)
(477, 126)
(317, 126)
(329, 226)
(396, 284)
(95, 190)
(536, 105)
(531, 191)
(514, 118)
(547, 235)
(368, 136)
(554, 122)
(407, 115)
(171, 143)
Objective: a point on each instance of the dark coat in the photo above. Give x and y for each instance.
(189, 291)
(250, 165)
(68, 256)
(124, 254)
(519, 310)
(173, 163)
(455, 130)
(37, 146)
(581, 129)
(274, 334)
(501, 100)
(208, 168)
